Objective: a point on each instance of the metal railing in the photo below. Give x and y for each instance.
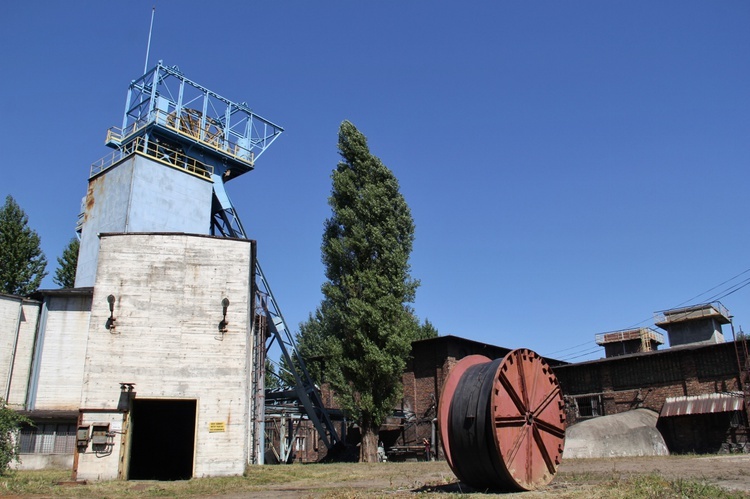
(153, 150)
(186, 126)
(693, 311)
(629, 334)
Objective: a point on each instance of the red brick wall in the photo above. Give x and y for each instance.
(647, 379)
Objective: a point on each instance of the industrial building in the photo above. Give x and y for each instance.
(698, 391)
(152, 367)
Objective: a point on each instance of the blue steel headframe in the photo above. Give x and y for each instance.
(164, 104)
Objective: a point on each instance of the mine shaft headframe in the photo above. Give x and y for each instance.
(164, 103)
(502, 421)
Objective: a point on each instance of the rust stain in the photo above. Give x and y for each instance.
(90, 198)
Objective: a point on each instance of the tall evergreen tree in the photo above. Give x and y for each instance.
(22, 262)
(65, 275)
(366, 247)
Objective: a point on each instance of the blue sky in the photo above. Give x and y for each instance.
(571, 167)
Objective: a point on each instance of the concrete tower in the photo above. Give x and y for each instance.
(173, 359)
(178, 144)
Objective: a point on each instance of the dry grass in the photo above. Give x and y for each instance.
(339, 481)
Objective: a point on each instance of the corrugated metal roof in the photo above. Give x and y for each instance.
(702, 404)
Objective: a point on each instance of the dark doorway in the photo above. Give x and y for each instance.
(162, 439)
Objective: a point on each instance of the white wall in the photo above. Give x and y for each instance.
(61, 361)
(18, 320)
(168, 290)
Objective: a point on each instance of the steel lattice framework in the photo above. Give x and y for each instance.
(227, 135)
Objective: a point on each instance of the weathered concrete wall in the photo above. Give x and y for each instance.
(695, 331)
(59, 376)
(141, 195)
(631, 433)
(44, 462)
(168, 290)
(18, 320)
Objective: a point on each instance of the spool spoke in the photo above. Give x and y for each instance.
(502, 421)
(550, 428)
(543, 450)
(522, 379)
(512, 393)
(511, 455)
(544, 403)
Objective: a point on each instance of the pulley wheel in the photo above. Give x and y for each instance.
(504, 421)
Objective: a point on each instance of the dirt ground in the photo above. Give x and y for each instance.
(575, 478)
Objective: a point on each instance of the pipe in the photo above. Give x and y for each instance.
(433, 440)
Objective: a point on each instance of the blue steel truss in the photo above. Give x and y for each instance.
(164, 104)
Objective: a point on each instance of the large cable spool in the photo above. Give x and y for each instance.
(502, 422)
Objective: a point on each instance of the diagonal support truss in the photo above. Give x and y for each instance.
(226, 223)
(305, 389)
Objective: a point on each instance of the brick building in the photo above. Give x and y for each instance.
(697, 388)
(666, 379)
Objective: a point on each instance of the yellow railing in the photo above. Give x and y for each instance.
(187, 125)
(160, 153)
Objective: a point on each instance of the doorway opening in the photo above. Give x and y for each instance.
(162, 440)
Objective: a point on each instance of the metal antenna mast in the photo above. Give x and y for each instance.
(148, 45)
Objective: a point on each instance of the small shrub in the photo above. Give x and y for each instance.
(10, 422)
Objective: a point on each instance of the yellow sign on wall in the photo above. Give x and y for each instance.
(217, 427)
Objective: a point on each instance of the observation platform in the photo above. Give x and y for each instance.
(714, 310)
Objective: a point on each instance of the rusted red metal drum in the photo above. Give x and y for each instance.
(502, 422)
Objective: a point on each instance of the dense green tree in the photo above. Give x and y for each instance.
(426, 331)
(366, 246)
(22, 262)
(315, 346)
(10, 422)
(65, 275)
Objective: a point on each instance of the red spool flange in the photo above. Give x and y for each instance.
(502, 422)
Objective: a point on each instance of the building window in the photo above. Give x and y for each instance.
(299, 444)
(589, 406)
(48, 438)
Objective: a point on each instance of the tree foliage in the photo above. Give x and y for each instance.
(65, 275)
(366, 247)
(272, 378)
(426, 331)
(10, 422)
(315, 345)
(23, 262)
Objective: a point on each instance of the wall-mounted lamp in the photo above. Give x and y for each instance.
(111, 320)
(127, 394)
(223, 325)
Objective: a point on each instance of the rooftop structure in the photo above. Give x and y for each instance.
(628, 341)
(694, 324)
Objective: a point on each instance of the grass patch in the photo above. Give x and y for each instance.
(347, 481)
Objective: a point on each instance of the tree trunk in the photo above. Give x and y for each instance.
(368, 450)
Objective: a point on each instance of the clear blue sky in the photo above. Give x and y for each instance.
(571, 167)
